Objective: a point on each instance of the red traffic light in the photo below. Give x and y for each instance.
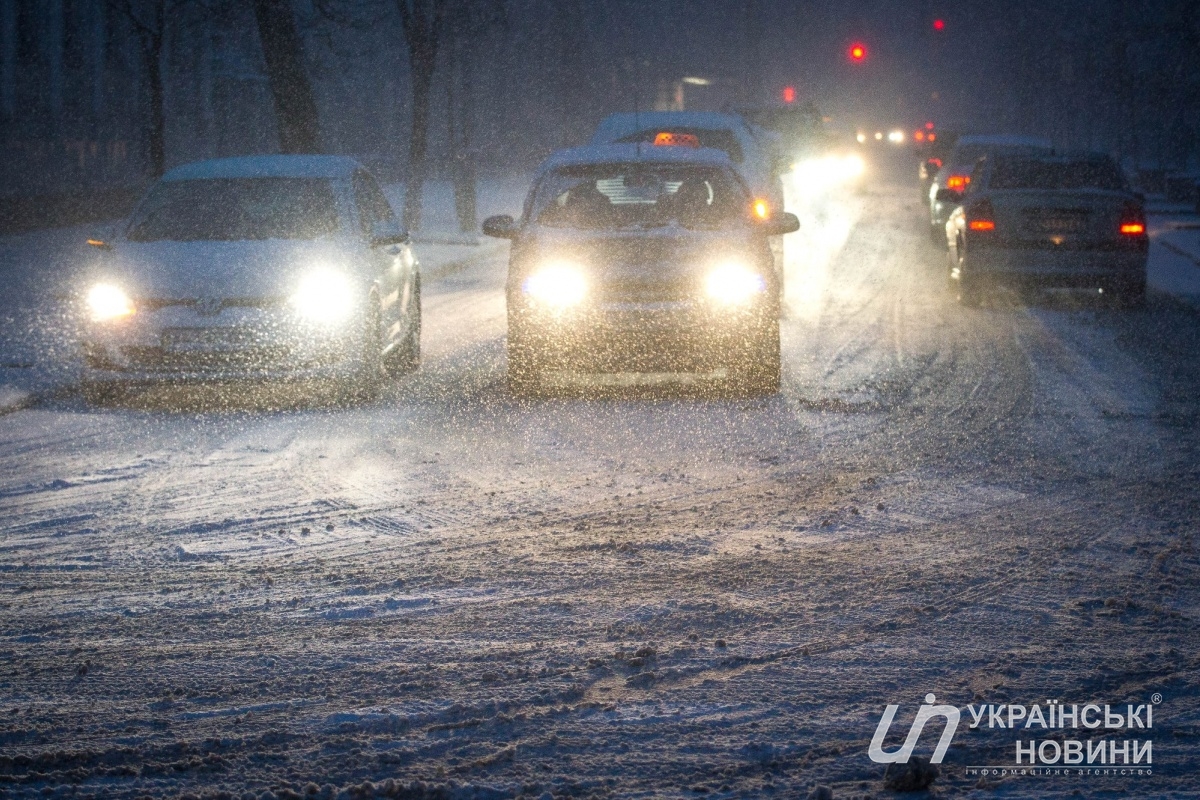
(789, 94)
(939, 24)
(858, 52)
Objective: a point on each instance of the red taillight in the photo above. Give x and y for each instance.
(937, 162)
(1133, 220)
(981, 217)
(958, 182)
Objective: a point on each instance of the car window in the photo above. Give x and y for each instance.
(373, 205)
(227, 209)
(1058, 174)
(639, 195)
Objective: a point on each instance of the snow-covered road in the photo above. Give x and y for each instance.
(620, 591)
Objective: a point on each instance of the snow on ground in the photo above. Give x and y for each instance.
(653, 592)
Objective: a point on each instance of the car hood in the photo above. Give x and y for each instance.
(227, 269)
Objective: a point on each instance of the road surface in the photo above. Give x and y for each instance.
(620, 590)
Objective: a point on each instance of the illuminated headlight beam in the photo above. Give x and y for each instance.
(324, 296)
(557, 285)
(734, 284)
(106, 302)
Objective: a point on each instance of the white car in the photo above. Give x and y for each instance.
(255, 268)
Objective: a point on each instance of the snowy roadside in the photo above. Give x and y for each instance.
(37, 358)
(1174, 266)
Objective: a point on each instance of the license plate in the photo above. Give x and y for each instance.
(204, 338)
(1058, 225)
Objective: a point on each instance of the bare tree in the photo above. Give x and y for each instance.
(467, 27)
(424, 23)
(149, 21)
(295, 109)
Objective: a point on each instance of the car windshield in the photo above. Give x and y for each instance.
(230, 209)
(1073, 174)
(641, 195)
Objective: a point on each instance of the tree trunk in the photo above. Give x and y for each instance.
(295, 109)
(460, 116)
(157, 134)
(422, 81)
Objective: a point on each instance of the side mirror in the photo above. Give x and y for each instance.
(388, 233)
(948, 196)
(501, 226)
(781, 223)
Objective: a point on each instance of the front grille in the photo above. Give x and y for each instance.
(251, 358)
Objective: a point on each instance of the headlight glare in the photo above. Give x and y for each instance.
(557, 284)
(107, 302)
(324, 296)
(734, 283)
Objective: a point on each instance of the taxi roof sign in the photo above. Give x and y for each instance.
(668, 139)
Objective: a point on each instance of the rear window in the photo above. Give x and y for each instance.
(230, 209)
(1073, 174)
(723, 140)
(639, 195)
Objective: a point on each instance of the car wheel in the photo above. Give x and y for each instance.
(406, 358)
(98, 393)
(969, 291)
(1131, 295)
(366, 381)
(524, 370)
(759, 365)
(937, 235)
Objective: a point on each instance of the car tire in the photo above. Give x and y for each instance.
(969, 290)
(1130, 295)
(406, 358)
(759, 366)
(365, 384)
(937, 235)
(98, 392)
(524, 374)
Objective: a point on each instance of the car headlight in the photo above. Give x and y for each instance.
(324, 296)
(558, 285)
(734, 284)
(107, 302)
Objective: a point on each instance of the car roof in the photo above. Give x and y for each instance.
(635, 153)
(1004, 140)
(270, 166)
(614, 126)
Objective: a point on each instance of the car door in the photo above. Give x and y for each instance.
(393, 262)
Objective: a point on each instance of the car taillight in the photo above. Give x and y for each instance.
(1133, 220)
(958, 182)
(937, 162)
(981, 217)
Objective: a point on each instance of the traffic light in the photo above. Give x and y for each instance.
(939, 24)
(789, 94)
(858, 52)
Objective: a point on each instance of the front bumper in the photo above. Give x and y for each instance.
(178, 346)
(663, 336)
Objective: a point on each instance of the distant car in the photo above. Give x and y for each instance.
(752, 153)
(260, 267)
(1049, 221)
(642, 258)
(954, 173)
